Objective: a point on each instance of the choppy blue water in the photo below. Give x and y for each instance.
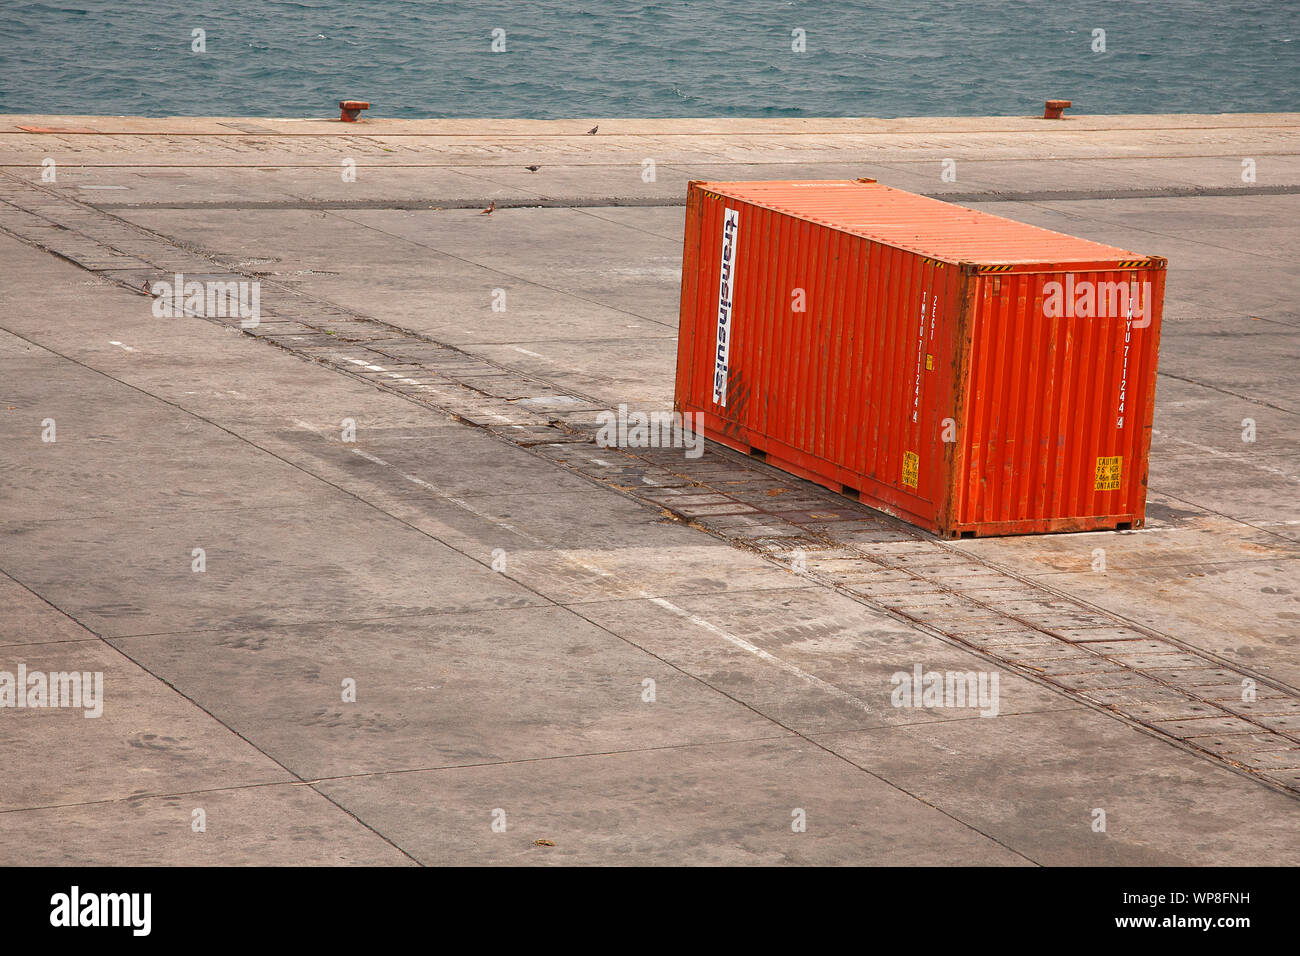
(575, 58)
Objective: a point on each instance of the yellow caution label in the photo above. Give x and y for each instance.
(911, 468)
(1108, 473)
(929, 362)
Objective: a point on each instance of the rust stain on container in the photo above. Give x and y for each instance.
(970, 374)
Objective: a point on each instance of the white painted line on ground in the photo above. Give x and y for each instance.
(603, 573)
(740, 642)
(759, 652)
(526, 352)
(1242, 457)
(416, 480)
(429, 486)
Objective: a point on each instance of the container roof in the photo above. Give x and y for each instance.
(919, 224)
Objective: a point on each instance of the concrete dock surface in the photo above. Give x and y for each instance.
(363, 589)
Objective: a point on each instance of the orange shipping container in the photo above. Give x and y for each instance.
(970, 374)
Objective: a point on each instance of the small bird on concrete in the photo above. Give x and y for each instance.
(488, 211)
(592, 131)
(532, 169)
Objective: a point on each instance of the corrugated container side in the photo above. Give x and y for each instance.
(844, 392)
(1055, 396)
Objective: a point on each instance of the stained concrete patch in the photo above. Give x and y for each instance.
(1034, 782)
(148, 739)
(261, 566)
(442, 690)
(523, 522)
(27, 619)
(722, 805)
(274, 825)
(83, 476)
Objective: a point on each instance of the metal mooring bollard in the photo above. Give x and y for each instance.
(352, 109)
(1053, 108)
